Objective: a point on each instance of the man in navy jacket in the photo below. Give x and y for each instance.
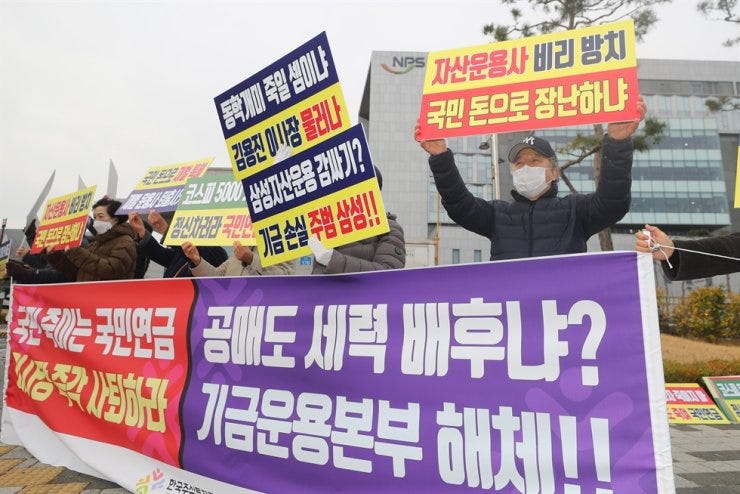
(538, 222)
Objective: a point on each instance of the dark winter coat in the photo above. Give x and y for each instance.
(176, 265)
(549, 225)
(690, 265)
(387, 251)
(109, 256)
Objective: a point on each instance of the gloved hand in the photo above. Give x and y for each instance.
(283, 152)
(320, 253)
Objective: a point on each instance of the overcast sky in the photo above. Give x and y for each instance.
(83, 82)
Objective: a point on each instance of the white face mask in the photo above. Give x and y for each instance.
(530, 181)
(101, 226)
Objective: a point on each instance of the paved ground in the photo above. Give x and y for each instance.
(706, 460)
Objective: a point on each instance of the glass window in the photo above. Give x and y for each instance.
(477, 257)
(455, 256)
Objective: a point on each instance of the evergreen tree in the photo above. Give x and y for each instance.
(549, 16)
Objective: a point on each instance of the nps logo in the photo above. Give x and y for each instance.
(404, 65)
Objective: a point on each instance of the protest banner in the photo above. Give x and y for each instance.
(424, 380)
(64, 220)
(327, 187)
(726, 392)
(4, 254)
(688, 403)
(296, 101)
(329, 191)
(572, 77)
(212, 211)
(161, 187)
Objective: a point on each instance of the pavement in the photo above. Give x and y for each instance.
(706, 460)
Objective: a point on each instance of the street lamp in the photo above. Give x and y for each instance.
(492, 143)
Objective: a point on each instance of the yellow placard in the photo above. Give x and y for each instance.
(349, 215)
(566, 53)
(211, 227)
(66, 207)
(688, 403)
(303, 125)
(158, 177)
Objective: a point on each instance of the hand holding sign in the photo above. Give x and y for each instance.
(431, 146)
(320, 253)
(623, 130)
(191, 252)
(244, 254)
(136, 224)
(159, 224)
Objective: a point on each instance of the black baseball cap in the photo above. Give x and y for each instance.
(538, 144)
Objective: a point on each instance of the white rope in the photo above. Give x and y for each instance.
(656, 246)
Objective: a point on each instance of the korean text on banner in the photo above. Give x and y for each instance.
(380, 381)
(212, 211)
(64, 220)
(726, 392)
(161, 187)
(296, 102)
(329, 190)
(4, 254)
(572, 77)
(688, 403)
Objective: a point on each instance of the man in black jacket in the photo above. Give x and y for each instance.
(712, 256)
(538, 222)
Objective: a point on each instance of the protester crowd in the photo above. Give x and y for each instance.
(537, 222)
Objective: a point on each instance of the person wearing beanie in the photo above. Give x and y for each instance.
(538, 222)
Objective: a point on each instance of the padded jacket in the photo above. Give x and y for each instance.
(110, 256)
(175, 264)
(550, 225)
(690, 265)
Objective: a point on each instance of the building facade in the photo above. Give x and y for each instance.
(684, 183)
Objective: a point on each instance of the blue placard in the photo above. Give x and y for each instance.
(335, 164)
(298, 75)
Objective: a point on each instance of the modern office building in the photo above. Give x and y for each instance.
(683, 183)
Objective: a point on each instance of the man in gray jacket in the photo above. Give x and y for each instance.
(538, 222)
(245, 261)
(386, 251)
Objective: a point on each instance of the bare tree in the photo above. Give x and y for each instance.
(560, 15)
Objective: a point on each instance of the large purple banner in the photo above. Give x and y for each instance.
(534, 376)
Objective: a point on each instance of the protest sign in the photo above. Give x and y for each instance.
(423, 380)
(327, 186)
(688, 403)
(212, 211)
(161, 187)
(296, 101)
(572, 77)
(726, 392)
(329, 191)
(4, 254)
(64, 220)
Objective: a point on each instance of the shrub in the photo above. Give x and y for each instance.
(708, 313)
(664, 313)
(676, 372)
